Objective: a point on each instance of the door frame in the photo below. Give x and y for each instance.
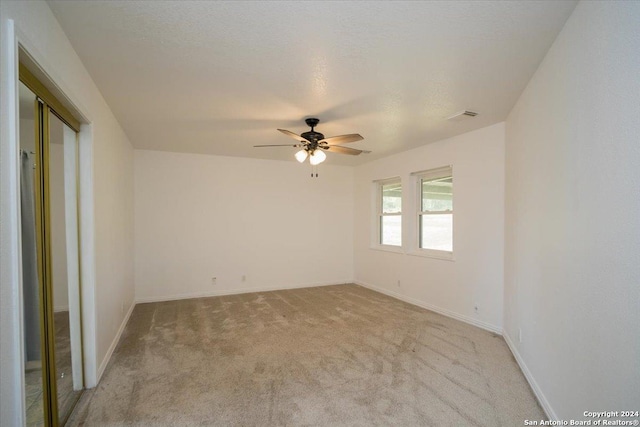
(17, 47)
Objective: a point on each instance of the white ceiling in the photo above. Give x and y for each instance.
(219, 77)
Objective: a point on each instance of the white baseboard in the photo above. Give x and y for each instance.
(475, 322)
(546, 406)
(220, 292)
(114, 344)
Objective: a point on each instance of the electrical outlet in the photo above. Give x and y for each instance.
(519, 334)
(244, 277)
(214, 280)
(399, 284)
(476, 309)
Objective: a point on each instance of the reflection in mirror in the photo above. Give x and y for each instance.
(30, 284)
(64, 263)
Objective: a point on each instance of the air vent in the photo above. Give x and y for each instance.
(461, 115)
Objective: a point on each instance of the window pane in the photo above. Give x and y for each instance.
(437, 194)
(391, 198)
(436, 232)
(391, 230)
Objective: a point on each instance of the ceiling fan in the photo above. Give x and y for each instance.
(314, 144)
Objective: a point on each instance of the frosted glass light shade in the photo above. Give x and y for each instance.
(317, 157)
(301, 155)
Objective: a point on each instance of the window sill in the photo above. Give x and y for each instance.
(442, 255)
(387, 248)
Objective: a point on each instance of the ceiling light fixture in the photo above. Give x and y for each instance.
(314, 144)
(317, 157)
(301, 156)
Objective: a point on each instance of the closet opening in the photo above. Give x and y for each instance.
(50, 240)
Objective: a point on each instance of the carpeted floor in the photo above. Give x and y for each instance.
(333, 355)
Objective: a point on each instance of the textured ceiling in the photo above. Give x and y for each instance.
(219, 77)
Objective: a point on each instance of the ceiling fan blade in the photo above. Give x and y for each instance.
(343, 150)
(279, 145)
(292, 135)
(342, 139)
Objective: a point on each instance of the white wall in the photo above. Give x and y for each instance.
(572, 282)
(200, 216)
(476, 274)
(103, 145)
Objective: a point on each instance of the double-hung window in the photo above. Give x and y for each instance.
(389, 203)
(435, 211)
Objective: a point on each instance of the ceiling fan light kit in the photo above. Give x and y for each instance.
(301, 156)
(314, 144)
(317, 157)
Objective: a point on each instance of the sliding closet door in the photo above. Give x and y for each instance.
(63, 221)
(50, 255)
(31, 284)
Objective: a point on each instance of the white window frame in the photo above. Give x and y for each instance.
(379, 215)
(432, 174)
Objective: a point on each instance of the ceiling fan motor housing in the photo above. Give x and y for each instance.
(312, 136)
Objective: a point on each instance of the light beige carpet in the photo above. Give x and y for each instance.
(333, 355)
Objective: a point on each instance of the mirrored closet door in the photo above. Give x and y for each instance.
(50, 255)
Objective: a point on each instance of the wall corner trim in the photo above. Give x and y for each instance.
(546, 406)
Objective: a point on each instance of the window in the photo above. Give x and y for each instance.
(390, 212)
(435, 210)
